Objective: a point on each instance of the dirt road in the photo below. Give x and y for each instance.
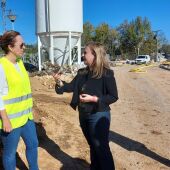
(140, 127)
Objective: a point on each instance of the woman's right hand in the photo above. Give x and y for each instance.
(56, 76)
(7, 127)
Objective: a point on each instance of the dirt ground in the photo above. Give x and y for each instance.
(140, 126)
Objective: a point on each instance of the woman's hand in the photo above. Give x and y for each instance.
(85, 98)
(7, 127)
(56, 76)
(57, 79)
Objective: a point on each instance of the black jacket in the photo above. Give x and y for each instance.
(104, 88)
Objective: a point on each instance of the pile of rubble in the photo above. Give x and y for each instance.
(67, 73)
(165, 65)
(49, 70)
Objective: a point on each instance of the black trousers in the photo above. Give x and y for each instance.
(95, 128)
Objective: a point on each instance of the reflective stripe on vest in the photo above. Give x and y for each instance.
(18, 99)
(19, 114)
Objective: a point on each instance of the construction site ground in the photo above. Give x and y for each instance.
(139, 131)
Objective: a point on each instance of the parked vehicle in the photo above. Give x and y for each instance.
(167, 56)
(143, 59)
(30, 67)
(130, 61)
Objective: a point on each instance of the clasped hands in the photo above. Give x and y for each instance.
(85, 98)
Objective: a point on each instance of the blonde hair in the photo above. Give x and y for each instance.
(100, 63)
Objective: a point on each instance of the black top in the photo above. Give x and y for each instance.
(104, 88)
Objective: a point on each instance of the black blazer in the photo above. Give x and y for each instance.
(107, 93)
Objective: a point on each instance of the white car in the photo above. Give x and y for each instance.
(143, 59)
(130, 61)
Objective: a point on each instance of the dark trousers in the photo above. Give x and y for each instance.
(95, 128)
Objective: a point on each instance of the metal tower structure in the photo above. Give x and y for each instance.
(12, 18)
(3, 7)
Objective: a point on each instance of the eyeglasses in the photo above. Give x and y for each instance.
(21, 45)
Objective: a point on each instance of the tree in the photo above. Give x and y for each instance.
(130, 38)
(31, 48)
(102, 33)
(88, 33)
(165, 48)
(134, 35)
(107, 36)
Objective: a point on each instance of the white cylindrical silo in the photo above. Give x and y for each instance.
(59, 25)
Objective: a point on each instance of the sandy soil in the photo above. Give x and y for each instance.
(140, 126)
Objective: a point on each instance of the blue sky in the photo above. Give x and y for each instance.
(113, 12)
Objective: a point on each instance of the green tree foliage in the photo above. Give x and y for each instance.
(112, 42)
(165, 48)
(88, 33)
(31, 49)
(102, 33)
(128, 40)
(107, 36)
(134, 35)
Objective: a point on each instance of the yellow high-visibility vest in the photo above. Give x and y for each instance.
(18, 101)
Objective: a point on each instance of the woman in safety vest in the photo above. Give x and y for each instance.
(16, 118)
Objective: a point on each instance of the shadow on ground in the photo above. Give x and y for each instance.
(132, 145)
(68, 162)
(20, 164)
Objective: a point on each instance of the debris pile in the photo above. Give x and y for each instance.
(49, 70)
(165, 65)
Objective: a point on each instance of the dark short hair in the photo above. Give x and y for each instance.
(8, 38)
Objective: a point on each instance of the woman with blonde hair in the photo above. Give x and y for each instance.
(94, 89)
